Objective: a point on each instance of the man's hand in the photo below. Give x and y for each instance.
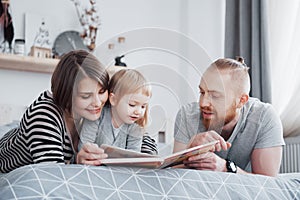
(209, 136)
(206, 161)
(90, 154)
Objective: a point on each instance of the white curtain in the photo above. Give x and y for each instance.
(284, 29)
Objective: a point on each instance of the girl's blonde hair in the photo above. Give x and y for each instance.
(130, 81)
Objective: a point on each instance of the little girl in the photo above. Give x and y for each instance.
(122, 120)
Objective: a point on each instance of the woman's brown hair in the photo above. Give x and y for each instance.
(73, 67)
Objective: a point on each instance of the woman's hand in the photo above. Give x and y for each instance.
(90, 154)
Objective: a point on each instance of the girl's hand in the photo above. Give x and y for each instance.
(90, 154)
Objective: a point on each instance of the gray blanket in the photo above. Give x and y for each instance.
(56, 181)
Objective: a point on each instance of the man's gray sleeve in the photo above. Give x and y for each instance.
(271, 133)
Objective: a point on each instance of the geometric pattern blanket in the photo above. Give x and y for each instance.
(59, 181)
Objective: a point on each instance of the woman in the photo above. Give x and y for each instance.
(48, 130)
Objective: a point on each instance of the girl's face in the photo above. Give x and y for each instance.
(129, 108)
(89, 99)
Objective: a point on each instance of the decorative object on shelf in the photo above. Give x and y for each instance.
(6, 27)
(66, 42)
(111, 46)
(119, 64)
(41, 46)
(40, 52)
(118, 48)
(42, 38)
(40, 30)
(118, 61)
(19, 48)
(90, 22)
(121, 40)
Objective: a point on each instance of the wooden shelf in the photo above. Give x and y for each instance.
(27, 63)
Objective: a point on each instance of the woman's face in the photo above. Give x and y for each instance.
(89, 99)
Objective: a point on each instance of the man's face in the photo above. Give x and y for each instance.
(217, 100)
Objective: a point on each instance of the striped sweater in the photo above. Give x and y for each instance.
(41, 137)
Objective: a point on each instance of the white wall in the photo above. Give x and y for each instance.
(171, 41)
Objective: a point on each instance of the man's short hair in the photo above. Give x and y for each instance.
(238, 71)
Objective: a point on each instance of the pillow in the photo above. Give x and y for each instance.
(6, 127)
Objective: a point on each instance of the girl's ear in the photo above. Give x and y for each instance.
(243, 100)
(112, 99)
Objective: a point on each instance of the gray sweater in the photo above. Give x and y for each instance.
(101, 131)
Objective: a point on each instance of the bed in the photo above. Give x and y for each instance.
(58, 181)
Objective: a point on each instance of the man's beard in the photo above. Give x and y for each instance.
(213, 124)
(216, 123)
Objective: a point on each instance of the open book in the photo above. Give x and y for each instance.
(124, 157)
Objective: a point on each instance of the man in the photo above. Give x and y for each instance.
(249, 131)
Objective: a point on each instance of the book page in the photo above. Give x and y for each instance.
(125, 157)
(117, 152)
(178, 157)
(148, 162)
